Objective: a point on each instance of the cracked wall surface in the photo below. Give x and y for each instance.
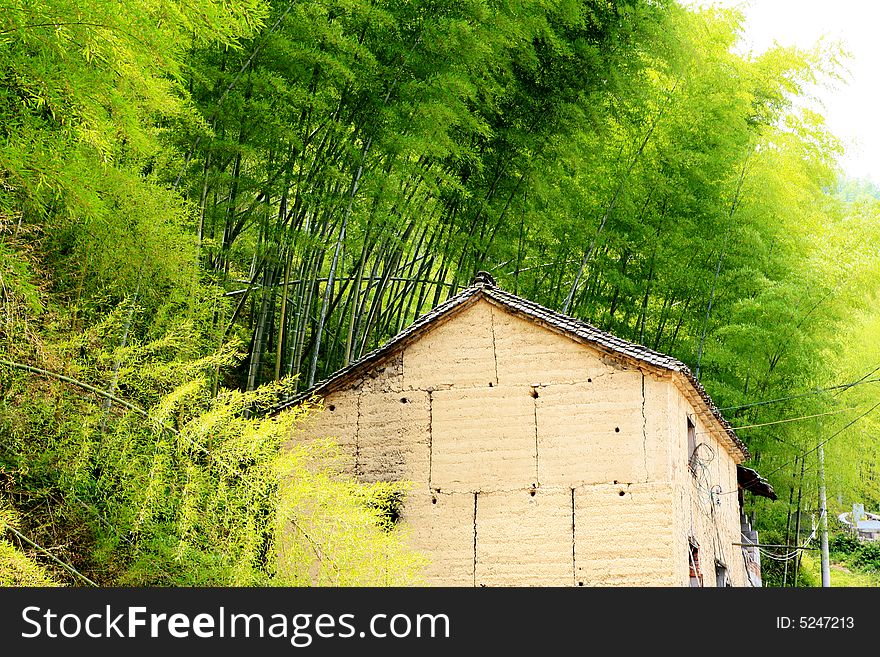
(536, 460)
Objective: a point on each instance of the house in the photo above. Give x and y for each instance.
(543, 451)
(864, 526)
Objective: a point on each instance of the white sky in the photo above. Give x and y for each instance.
(852, 111)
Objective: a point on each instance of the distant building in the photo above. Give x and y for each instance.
(866, 526)
(544, 451)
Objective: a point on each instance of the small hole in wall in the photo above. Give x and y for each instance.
(580, 583)
(589, 380)
(622, 493)
(532, 492)
(331, 407)
(404, 400)
(433, 500)
(534, 393)
(615, 481)
(490, 384)
(616, 429)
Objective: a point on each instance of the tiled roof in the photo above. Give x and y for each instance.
(484, 286)
(750, 480)
(582, 329)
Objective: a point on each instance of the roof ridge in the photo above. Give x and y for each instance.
(594, 331)
(484, 285)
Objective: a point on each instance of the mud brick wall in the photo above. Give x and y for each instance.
(536, 459)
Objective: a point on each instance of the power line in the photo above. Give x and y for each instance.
(821, 444)
(817, 391)
(868, 374)
(818, 445)
(793, 419)
(790, 419)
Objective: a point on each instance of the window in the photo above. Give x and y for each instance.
(692, 445)
(696, 577)
(721, 578)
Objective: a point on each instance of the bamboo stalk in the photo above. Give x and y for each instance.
(66, 566)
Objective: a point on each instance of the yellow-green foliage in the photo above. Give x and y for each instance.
(358, 547)
(199, 492)
(16, 568)
(223, 490)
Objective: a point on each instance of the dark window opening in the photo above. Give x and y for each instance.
(696, 577)
(721, 577)
(692, 445)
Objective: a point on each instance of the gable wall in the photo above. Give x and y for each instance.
(536, 460)
(706, 503)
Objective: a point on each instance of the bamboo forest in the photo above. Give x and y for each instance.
(207, 207)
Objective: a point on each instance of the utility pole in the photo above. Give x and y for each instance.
(788, 530)
(797, 527)
(823, 520)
